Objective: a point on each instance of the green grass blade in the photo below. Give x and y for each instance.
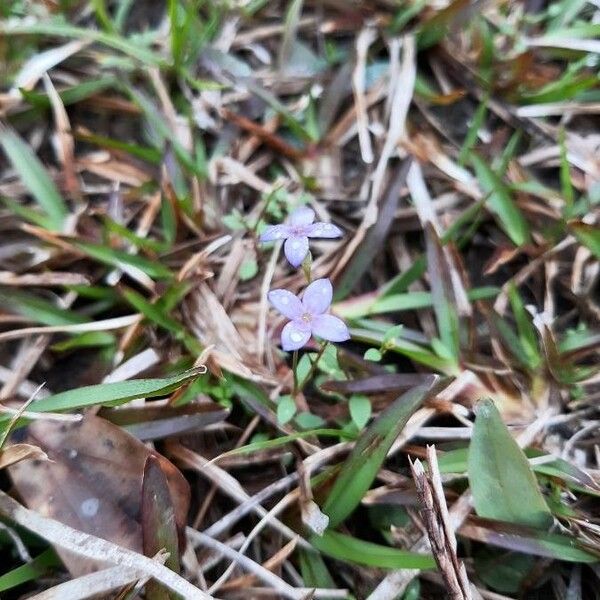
(104, 393)
(31, 571)
(588, 235)
(118, 258)
(34, 177)
(365, 460)
(500, 202)
(350, 549)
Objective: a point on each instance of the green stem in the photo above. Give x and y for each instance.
(313, 367)
(295, 373)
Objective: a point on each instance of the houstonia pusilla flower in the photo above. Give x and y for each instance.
(308, 316)
(296, 230)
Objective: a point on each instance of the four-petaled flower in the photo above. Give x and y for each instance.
(308, 316)
(296, 231)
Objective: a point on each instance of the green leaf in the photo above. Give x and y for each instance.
(360, 410)
(527, 332)
(476, 124)
(365, 460)
(153, 313)
(118, 258)
(588, 235)
(89, 339)
(31, 571)
(39, 310)
(34, 177)
(59, 28)
(314, 570)
(500, 202)
(503, 485)
(405, 301)
(104, 393)
(286, 439)
(248, 269)
(286, 409)
(350, 549)
(373, 354)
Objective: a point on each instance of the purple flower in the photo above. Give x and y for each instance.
(308, 315)
(296, 231)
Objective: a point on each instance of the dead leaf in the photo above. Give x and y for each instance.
(94, 483)
(159, 529)
(18, 452)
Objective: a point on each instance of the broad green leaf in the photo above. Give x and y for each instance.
(373, 355)
(350, 549)
(286, 409)
(34, 177)
(365, 460)
(503, 571)
(360, 410)
(104, 393)
(248, 269)
(500, 202)
(503, 485)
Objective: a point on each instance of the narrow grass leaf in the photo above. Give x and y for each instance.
(31, 571)
(500, 202)
(118, 258)
(34, 177)
(588, 235)
(365, 460)
(350, 549)
(105, 393)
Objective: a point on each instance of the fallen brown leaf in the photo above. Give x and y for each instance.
(94, 482)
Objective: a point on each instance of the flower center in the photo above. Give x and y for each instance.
(306, 317)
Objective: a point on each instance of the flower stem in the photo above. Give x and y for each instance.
(313, 367)
(295, 373)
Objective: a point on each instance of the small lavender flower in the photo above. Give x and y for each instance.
(308, 316)
(296, 231)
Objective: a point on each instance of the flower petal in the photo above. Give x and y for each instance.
(275, 232)
(301, 216)
(294, 335)
(323, 230)
(296, 249)
(317, 296)
(286, 303)
(330, 328)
